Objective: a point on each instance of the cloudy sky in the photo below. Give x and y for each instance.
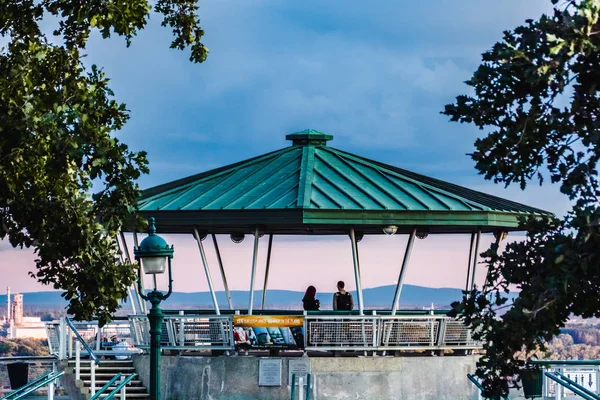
(373, 74)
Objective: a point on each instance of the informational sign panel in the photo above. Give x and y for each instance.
(268, 332)
(300, 367)
(269, 372)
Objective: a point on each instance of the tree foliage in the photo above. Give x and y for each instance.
(67, 184)
(537, 97)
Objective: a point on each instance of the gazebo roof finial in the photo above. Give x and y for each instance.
(309, 137)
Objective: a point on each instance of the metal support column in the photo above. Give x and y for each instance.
(359, 294)
(470, 260)
(220, 261)
(253, 276)
(400, 283)
(475, 259)
(130, 292)
(141, 303)
(264, 293)
(498, 240)
(207, 271)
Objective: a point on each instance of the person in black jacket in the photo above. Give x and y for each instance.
(309, 300)
(342, 300)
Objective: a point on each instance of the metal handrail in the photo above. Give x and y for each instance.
(33, 386)
(87, 348)
(40, 359)
(577, 385)
(300, 383)
(479, 386)
(120, 386)
(105, 387)
(565, 362)
(33, 382)
(575, 389)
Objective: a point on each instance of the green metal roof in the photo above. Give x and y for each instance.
(310, 187)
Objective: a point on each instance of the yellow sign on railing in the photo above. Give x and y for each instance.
(267, 321)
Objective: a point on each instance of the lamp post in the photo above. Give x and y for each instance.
(154, 254)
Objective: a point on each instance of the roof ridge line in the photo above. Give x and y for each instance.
(307, 166)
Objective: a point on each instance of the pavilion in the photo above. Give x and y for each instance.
(310, 188)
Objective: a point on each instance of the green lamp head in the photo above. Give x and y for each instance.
(153, 253)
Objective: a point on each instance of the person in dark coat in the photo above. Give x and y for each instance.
(310, 301)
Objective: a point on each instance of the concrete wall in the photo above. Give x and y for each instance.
(381, 378)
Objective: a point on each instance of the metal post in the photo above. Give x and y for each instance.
(361, 307)
(264, 294)
(62, 339)
(181, 329)
(138, 298)
(143, 305)
(123, 389)
(98, 338)
(300, 387)
(469, 262)
(51, 390)
(308, 387)
(207, 271)
(92, 377)
(220, 261)
(77, 361)
(475, 259)
(498, 240)
(132, 299)
(155, 316)
(597, 380)
(70, 343)
(293, 391)
(253, 276)
(407, 253)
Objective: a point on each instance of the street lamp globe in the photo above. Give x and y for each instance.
(153, 253)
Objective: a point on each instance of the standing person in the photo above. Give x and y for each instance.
(309, 301)
(342, 300)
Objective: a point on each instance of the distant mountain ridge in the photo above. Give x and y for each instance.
(379, 297)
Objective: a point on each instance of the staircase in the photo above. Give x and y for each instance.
(104, 373)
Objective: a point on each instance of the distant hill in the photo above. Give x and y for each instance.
(379, 297)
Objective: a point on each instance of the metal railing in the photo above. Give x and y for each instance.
(583, 373)
(61, 338)
(326, 332)
(87, 336)
(387, 332)
(119, 388)
(47, 379)
(213, 332)
(475, 382)
(571, 385)
(300, 384)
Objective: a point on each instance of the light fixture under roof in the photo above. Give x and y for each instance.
(237, 237)
(422, 235)
(390, 229)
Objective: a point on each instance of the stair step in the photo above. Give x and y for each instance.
(129, 396)
(103, 362)
(136, 389)
(107, 369)
(100, 383)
